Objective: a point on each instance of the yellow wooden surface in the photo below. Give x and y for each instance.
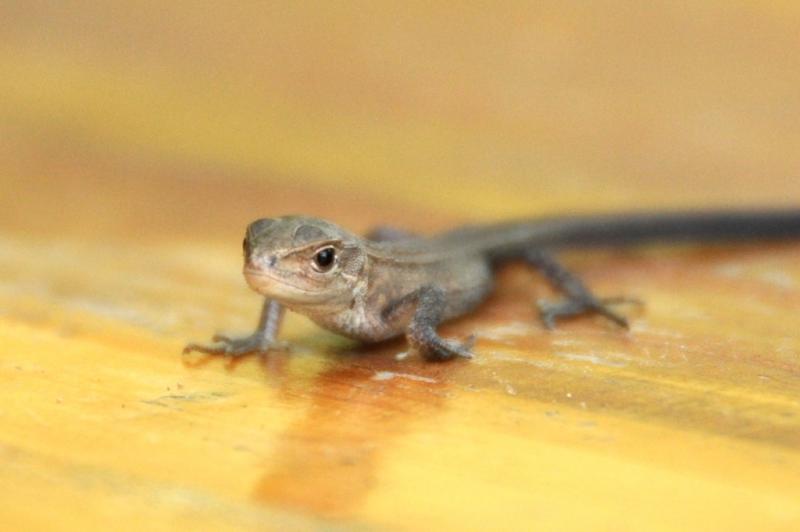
(137, 140)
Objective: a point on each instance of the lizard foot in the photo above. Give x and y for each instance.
(439, 350)
(550, 311)
(237, 347)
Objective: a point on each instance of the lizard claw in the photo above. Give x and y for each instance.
(440, 350)
(549, 311)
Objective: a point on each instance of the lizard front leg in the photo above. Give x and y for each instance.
(429, 304)
(263, 339)
(579, 301)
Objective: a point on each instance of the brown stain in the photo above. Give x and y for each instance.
(327, 462)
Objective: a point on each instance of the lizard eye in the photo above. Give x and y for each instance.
(324, 259)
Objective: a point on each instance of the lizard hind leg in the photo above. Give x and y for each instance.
(579, 301)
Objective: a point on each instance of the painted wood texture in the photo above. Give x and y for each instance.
(137, 141)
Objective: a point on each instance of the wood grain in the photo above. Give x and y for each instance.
(137, 141)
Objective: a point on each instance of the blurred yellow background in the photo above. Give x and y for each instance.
(137, 139)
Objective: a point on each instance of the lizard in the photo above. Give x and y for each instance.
(391, 283)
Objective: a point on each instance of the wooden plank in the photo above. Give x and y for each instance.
(127, 177)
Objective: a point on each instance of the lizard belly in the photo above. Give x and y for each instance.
(359, 323)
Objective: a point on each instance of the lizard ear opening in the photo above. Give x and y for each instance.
(351, 261)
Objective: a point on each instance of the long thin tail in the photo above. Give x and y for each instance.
(509, 239)
(671, 227)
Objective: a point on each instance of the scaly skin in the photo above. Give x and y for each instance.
(393, 283)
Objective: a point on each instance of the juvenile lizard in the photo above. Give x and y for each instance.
(393, 283)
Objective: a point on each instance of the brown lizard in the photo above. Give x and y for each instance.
(393, 283)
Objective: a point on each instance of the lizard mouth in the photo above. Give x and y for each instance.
(276, 286)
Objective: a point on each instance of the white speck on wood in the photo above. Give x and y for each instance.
(389, 375)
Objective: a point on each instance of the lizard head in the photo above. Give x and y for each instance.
(302, 261)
